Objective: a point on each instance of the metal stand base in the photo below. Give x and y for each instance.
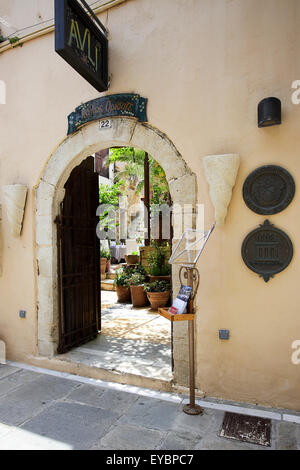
(192, 409)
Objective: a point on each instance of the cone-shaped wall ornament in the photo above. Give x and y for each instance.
(14, 199)
(220, 173)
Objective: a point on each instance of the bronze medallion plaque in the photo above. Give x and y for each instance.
(268, 189)
(267, 250)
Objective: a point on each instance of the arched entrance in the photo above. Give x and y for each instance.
(50, 192)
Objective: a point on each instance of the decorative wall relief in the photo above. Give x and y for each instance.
(15, 199)
(220, 173)
(268, 189)
(267, 250)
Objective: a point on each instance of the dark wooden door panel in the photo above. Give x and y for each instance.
(78, 259)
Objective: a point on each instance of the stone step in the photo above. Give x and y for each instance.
(79, 364)
(110, 275)
(107, 284)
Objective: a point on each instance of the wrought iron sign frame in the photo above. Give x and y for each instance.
(82, 41)
(267, 245)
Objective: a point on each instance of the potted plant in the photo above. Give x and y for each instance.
(103, 260)
(133, 258)
(138, 294)
(158, 293)
(121, 283)
(159, 269)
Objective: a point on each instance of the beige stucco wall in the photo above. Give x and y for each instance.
(203, 65)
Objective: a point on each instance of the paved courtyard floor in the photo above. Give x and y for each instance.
(132, 340)
(48, 410)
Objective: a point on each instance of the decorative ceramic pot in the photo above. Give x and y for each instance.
(138, 296)
(108, 266)
(158, 299)
(123, 293)
(103, 262)
(132, 259)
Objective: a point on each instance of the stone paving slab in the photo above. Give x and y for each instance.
(6, 370)
(53, 412)
(151, 413)
(72, 423)
(130, 437)
(117, 401)
(30, 398)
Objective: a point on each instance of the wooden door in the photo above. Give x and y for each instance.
(79, 259)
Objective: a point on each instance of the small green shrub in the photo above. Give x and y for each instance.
(137, 279)
(157, 286)
(122, 278)
(158, 264)
(105, 253)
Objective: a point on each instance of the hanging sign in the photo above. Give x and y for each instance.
(80, 41)
(122, 104)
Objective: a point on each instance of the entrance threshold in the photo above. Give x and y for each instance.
(67, 365)
(134, 345)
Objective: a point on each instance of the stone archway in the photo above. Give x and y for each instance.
(49, 193)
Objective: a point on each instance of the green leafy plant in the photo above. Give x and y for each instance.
(157, 286)
(137, 279)
(134, 253)
(158, 265)
(121, 278)
(105, 253)
(134, 173)
(110, 194)
(15, 41)
(138, 268)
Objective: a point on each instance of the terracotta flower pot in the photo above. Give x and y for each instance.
(158, 299)
(132, 259)
(138, 296)
(103, 265)
(123, 293)
(108, 266)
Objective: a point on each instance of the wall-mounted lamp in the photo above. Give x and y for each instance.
(269, 112)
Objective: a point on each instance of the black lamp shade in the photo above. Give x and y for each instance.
(269, 112)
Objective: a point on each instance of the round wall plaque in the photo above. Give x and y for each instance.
(268, 189)
(267, 250)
